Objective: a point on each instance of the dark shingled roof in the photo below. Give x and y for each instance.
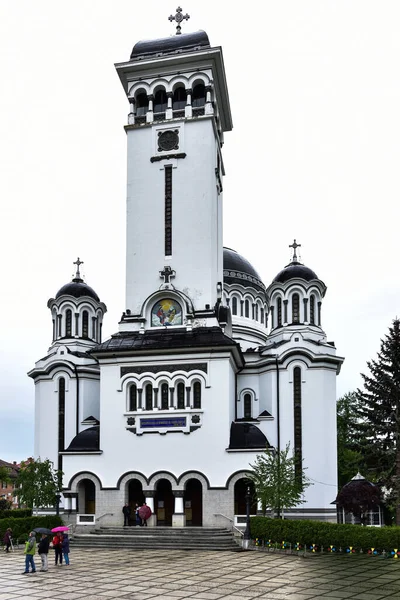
(293, 270)
(77, 288)
(185, 42)
(245, 436)
(86, 441)
(238, 270)
(165, 339)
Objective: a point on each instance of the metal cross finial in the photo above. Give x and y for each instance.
(78, 263)
(178, 18)
(295, 245)
(167, 273)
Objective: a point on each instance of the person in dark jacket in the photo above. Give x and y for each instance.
(43, 550)
(7, 539)
(127, 513)
(65, 548)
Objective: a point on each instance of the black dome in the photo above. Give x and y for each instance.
(86, 440)
(238, 270)
(78, 289)
(184, 42)
(293, 270)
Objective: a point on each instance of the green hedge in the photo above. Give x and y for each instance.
(16, 513)
(21, 527)
(325, 534)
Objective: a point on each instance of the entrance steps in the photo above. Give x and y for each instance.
(158, 538)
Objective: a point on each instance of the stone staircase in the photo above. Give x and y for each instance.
(158, 538)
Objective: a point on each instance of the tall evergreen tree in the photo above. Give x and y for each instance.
(379, 417)
(349, 445)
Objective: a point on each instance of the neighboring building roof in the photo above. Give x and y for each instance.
(245, 436)
(86, 441)
(238, 270)
(185, 42)
(78, 289)
(165, 339)
(295, 270)
(13, 468)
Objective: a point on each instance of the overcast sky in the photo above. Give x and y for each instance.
(314, 155)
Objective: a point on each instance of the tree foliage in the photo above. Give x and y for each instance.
(378, 413)
(349, 444)
(275, 482)
(5, 475)
(38, 483)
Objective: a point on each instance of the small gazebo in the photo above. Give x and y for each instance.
(359, 502)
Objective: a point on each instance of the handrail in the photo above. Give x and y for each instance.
(231, 521)
(104, 515)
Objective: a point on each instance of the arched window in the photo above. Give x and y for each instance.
(160, 101)
(61, 418)
(312, 309)
(142, 104)
(85, 324)
(149, 396)
(133, 397)
(164, 396)
(179, 99)
(68, 323)
(199, 95)
(247, 308)
(262, 315)
(181, 396)
(297, 421)
(295, 308)
(247, 412)
(256, 312)
(279, 312)
(197, 394)
(234, 305)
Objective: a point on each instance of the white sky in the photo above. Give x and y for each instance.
(314, 155)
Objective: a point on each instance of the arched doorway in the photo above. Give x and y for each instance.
(193, 502)
(135, 496)
(240, 491)
(87, 497)
(164, 502)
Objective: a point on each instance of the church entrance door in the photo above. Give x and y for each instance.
(193, 503)
(135, 496)
(164, 502)
(87, 497)
(240, 497)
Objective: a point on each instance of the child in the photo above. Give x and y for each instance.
(65, 548)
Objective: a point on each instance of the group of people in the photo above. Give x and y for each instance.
(60, 544)
(142, 514)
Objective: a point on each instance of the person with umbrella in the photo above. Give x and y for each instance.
(43, 550)
(145, 513)
(57, 542)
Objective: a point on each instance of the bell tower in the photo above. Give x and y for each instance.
(179, 111)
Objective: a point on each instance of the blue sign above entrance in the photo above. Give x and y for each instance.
(162, 422)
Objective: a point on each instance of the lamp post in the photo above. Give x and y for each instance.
(58, 498)
(247, 536)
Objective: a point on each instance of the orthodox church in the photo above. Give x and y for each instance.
(209, 365)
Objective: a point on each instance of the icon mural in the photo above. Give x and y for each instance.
(166, 312)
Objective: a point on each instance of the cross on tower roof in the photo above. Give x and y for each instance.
(178, 17)
(78, 263)
(295, 245)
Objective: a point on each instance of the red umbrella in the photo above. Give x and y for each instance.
(145, 512)
(60, 528)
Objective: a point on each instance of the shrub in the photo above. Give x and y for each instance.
(22, 526)
(16, 513)
(325, 534)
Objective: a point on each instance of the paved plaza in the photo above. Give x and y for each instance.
(169, 575)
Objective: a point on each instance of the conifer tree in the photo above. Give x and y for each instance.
(379, 417)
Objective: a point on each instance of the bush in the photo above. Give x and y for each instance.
(21, 527)
(16, 513)
(325, 534)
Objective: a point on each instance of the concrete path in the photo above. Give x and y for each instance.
(172, 575)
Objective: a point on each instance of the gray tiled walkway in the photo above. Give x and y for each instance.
(173, 575)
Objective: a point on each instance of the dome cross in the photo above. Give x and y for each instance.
(295, 245)
(178, 17)
(78, 263)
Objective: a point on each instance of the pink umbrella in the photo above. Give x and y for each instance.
(60, 528)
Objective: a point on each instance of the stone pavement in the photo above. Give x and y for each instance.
(172, 575)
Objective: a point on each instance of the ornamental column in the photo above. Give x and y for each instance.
(178, 518)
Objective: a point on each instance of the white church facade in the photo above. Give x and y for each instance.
(209, 365)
